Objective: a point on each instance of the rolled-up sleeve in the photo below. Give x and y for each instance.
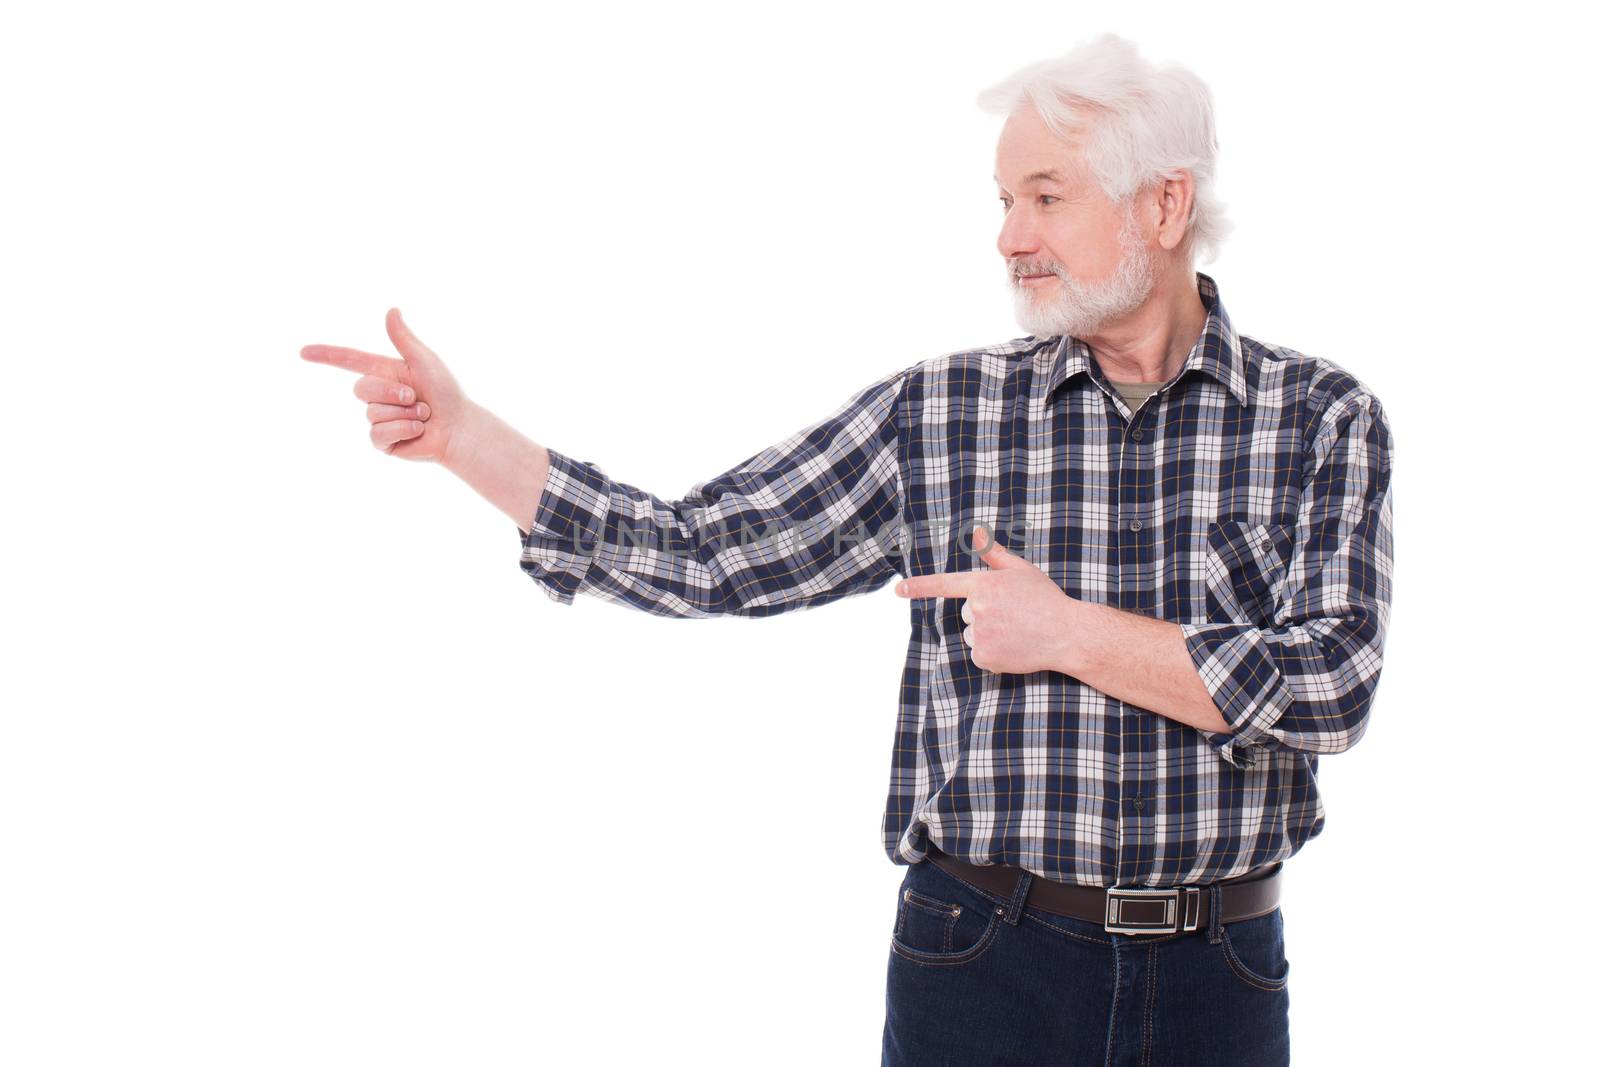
(1308, 682)
(803, 522)
(560, 544)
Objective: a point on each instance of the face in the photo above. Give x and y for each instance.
(1075, 261)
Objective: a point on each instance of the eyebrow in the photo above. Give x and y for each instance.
(1038, 176)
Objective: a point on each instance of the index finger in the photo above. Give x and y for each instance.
(955, 584)
(353, 359)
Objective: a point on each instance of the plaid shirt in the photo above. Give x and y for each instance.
(1248, 502)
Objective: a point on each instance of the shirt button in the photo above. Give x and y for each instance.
(1138, 803)
(1135, 525)
(1138, 435)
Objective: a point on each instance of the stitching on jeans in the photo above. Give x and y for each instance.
(1149, 1007)
(946, 914)
(1235, 964)
(943, 909)
(1116, 991)
(990, 935)
(1029, 913)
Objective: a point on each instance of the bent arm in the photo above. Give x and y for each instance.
(1308, 681)
(1143, 661)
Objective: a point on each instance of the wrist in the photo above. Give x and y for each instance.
(505, 467)
(468, 441)
(1078, 624)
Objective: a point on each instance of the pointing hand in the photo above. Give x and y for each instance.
(414, 404)
(1019, 620)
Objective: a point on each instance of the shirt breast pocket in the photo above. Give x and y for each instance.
(1246, 564)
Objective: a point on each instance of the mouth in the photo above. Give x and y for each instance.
(1034, 281)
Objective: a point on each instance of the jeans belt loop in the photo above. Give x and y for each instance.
(1011, 911)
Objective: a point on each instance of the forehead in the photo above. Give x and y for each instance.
(1029, 152)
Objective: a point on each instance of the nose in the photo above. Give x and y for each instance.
(1017, 235)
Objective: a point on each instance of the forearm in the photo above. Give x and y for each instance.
(507, 468)
(1139, 660)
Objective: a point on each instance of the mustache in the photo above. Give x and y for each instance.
(1018, 269)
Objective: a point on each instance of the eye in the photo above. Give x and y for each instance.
(1005, 202)
(1047, 196)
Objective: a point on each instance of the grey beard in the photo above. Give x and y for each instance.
(1076, 309)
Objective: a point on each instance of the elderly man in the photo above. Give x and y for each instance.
(1148, 565)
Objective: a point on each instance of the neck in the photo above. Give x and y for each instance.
(1151, 343)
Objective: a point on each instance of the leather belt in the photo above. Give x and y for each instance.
(1134, 910)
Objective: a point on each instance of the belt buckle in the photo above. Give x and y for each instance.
(1152, 911)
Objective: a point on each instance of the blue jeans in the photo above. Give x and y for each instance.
(975, 981)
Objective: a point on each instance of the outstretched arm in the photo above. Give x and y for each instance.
(804, 522)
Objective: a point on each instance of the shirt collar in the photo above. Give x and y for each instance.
(1216, 354)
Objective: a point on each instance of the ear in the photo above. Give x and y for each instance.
(1175, 198)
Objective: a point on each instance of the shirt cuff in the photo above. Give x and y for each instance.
(567, 529)
(1244, 682)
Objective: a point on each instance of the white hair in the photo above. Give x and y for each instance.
(1153, 121)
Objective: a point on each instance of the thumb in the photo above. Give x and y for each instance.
(993, 552)
(419, 355)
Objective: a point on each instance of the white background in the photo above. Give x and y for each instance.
(298, 767)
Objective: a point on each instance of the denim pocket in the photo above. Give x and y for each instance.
(1255, 953)
(941, 920)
